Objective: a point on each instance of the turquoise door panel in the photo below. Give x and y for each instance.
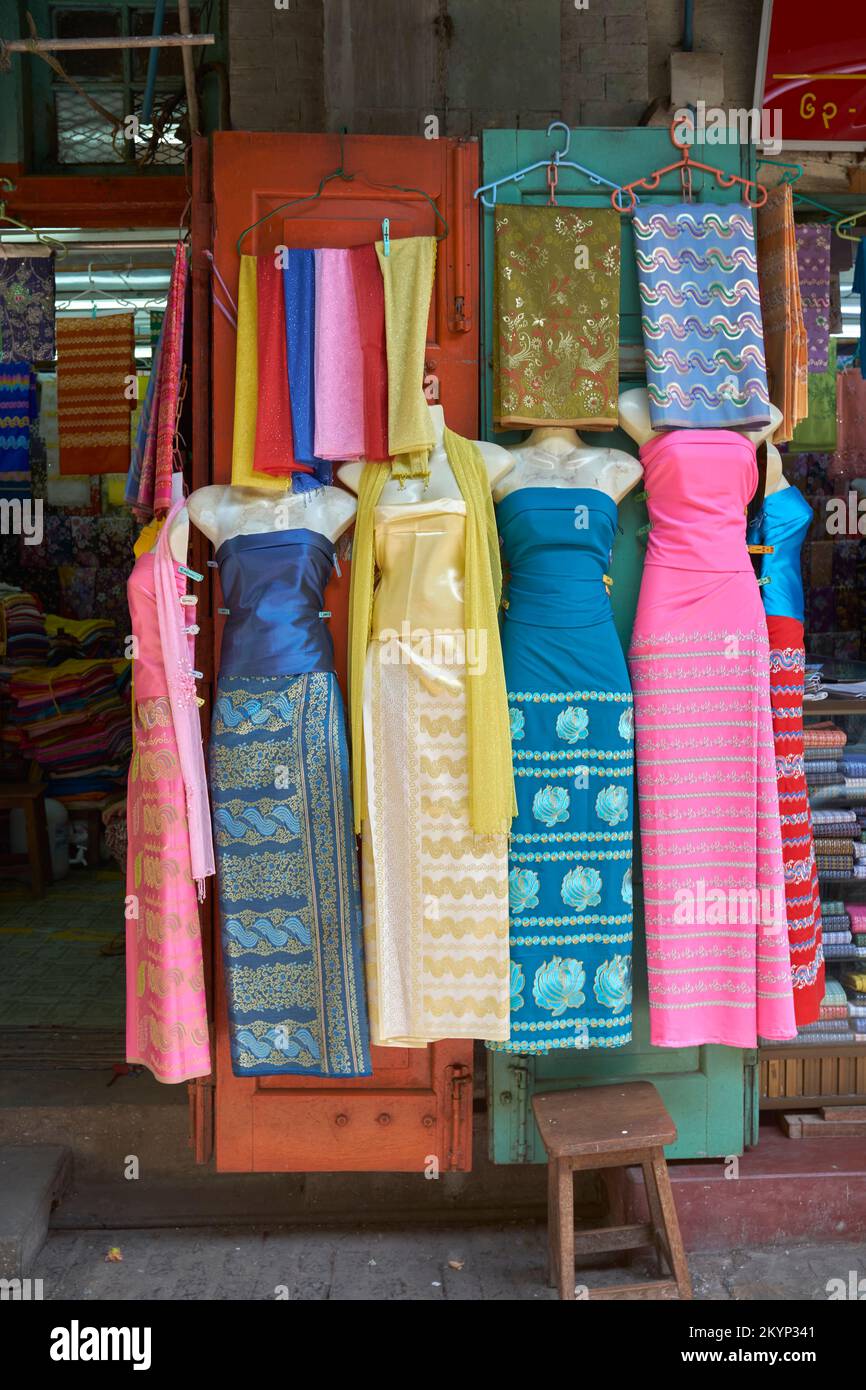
(704, 1088)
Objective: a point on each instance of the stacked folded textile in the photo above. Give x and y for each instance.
(812, 684)
(73, 720)
(22, 626)
(79, 639)
(825, 734)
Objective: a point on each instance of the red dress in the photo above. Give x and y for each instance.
(784, 521)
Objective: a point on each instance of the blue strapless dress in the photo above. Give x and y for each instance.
(572, 728)
(286, 854)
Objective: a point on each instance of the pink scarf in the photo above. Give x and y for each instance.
(339, 366)
(169, 385)
(178, 650)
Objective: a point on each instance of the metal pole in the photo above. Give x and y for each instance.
(152, 62)
(188, 69)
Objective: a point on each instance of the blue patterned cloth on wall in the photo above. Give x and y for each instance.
(17, 414)
(282, 817)
(572, 730)
(27, 308)
(701, 316)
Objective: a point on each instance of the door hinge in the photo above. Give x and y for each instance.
(520, 1118)
(459, 1078)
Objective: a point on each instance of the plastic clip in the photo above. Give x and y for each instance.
(386, 235)
(192, 630)
(199, 675)
(642, 496)
(644, 530)
(213, 565)
(337, 566)
(325, 613)
(761, 549)
(765, 579)
(189, 600)
(191, 574)
(225, 612)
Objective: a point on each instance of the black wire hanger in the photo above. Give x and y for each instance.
(340, 173)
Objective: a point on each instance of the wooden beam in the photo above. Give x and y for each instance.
(183, 41)
(184, 17)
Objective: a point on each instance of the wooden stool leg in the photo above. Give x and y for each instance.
(565, 1206)
(664, 1198)
(552, 1223)
(31, 830)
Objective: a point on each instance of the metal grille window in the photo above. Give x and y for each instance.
(65, 128)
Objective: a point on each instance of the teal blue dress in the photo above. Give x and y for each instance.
(572, 729)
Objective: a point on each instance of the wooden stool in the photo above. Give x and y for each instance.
(29, 797)
(603, 1127)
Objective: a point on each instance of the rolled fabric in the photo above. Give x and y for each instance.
(339, 371)
(370, 299)
(407, 275)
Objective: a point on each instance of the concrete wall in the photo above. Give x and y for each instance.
(382, 66)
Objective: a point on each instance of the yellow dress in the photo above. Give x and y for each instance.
(435, 896)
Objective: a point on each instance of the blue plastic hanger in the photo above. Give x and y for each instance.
(557, 161)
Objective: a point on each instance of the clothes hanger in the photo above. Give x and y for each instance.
(792, 173)
(340, 173)
(685, 166)
(91, 289)
(849, 222)
(556, 162)
(58, 247)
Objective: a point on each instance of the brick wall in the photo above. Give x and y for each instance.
(276, 65)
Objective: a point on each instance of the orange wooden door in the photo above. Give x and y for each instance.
(415, 1111)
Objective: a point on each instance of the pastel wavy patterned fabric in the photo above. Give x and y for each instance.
(572, 731)
(166, 1011)
(282, 815)
(813, 261)
(701, 316)
(714, 890)
(435, 894)
(785, 340)
(26, 305)
(783, 523)
(94, 359)
(556, 339)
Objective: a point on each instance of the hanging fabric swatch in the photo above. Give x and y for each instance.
(782, 310)
(274, 452)
(407, 275)
(859, 288)
(142, 462)
(17, 414)
(813, 260)
(849, 459)
(339, 375)
(94, 362)
(817, 433)
(247, 386)
(370, 298)
(299, 296)
(701, 316)
(26, 304)
(556, 329)
(170, 377)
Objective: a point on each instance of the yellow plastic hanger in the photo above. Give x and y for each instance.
(848, 222)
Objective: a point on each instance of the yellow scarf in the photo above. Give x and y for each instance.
(407, 274)
(491, 781)
(247, 387)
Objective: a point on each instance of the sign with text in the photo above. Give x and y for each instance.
(811, 78)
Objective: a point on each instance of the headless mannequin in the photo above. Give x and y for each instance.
(223, 511)
(634, 417)
(776, 480)
(556, 456)
(178, 535)
(441, 482)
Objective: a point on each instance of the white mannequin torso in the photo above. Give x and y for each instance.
(441, 482)
(634, 417)
(776, 480)
(223, 511)
(556, 456)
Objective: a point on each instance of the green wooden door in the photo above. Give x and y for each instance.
(708, 1090)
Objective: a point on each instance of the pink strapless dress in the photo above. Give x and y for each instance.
(713, 875)
(166, 1013)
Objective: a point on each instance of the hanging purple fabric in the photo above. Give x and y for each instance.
(813, 264)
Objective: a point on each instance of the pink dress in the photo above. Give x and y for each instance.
(166, 1013)
(713, 876)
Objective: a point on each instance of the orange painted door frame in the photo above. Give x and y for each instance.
(415, 1111)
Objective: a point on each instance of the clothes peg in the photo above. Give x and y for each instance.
(190, 574)
(761, 549)
(386, 235)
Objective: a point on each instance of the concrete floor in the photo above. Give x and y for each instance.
(412, 1265)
